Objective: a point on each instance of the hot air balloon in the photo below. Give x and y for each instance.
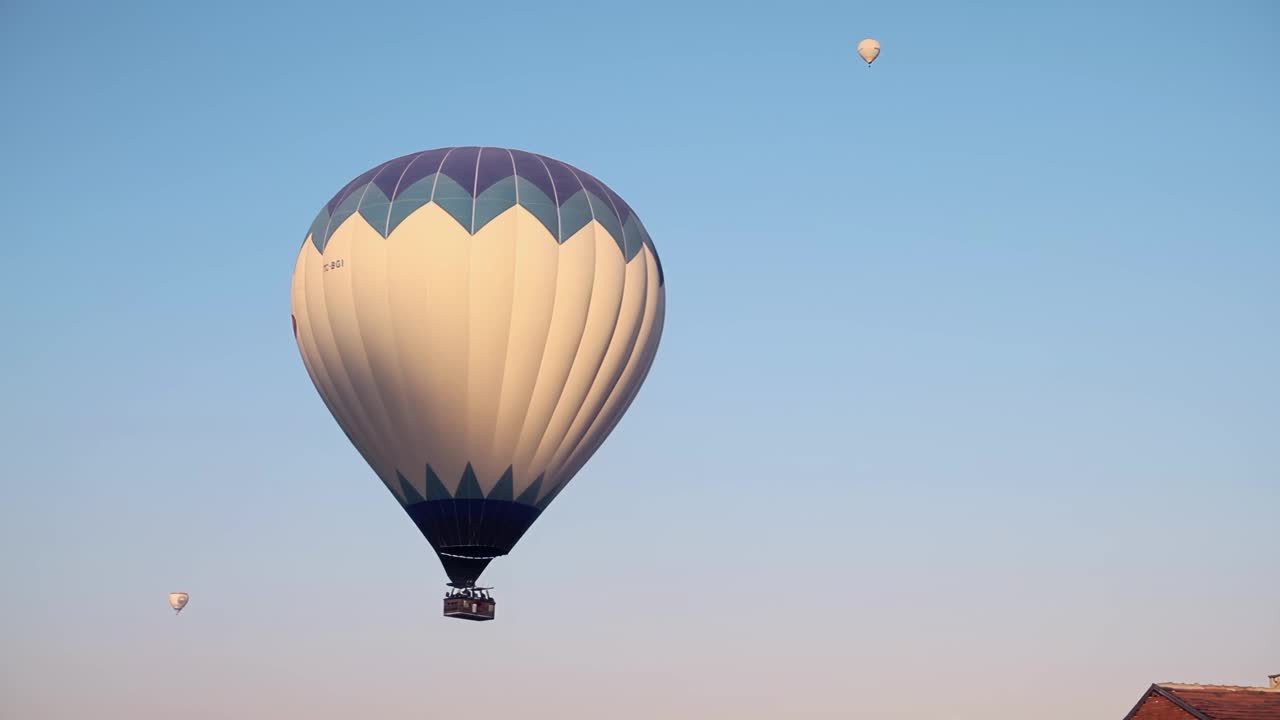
(177, 601)
(477, 320)
(869, 50)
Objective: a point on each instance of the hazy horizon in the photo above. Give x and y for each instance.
(966, 406)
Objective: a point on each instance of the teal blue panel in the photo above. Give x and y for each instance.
(468, 486)
(375, 207)
(575, 213)
(436, 489)
(411, 494)
(409, 199)
(317, 229)
(604, 213)
(635, 237)
(530, 493)
(493, 202)
(542, 207)
(340, 214)
(504, 490)
(456, 201)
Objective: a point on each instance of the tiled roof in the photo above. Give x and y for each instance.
(1224, 702)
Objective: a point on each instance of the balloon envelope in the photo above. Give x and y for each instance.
(869, 50)
(178, 600)
(477, 320)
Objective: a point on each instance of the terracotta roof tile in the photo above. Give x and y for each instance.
(1227, 702)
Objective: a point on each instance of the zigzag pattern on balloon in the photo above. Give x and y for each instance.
(469, 489)
(474, 185)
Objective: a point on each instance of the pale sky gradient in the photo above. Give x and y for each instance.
(979, 346)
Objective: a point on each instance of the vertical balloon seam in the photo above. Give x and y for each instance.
(466, 342)
(511, 314)
(586, 314)
(559, 394)
(324, 238)
(610, 384)
(409, 409)
(342, 371)
(627, 379)
(578, 457)
(596, 375)
(507, 365)
(633, 389)
(435, 183)
(435, 178)
(533, 390)
(379, 393)
(585, 362)
(578, 354)
(502, 507)
(395, 190)
(569, 448)
(325, 385)
(643, 361)
(506, 352)
(343, 387)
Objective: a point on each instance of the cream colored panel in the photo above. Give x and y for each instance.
(356, 258)
(537, 260)
(622, 345)
(628, 385)
(429, 273)
(368, 274)
(574, 282)
(601, 322)
(493, 269)
(315, 339)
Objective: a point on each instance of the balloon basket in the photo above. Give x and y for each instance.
(469, 605)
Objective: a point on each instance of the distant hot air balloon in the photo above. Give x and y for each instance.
(177, 601)
(869, 50)
(477, 320)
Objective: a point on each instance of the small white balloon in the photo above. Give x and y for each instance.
(177, 601)
(869, 49)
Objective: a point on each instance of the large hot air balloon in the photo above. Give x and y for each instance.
(177, 601)
(869, 50)
(477, 320)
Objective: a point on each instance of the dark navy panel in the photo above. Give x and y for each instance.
(466, 532)
(495, 164)
(531, 168)
(390, 172)
(624, 210)
(566, 182)
(461, 166)
(423, 164)
(347, 189)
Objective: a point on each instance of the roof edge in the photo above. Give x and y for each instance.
(1141, 700)
(1173, 697)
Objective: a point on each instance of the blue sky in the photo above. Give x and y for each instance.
(967, 392)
